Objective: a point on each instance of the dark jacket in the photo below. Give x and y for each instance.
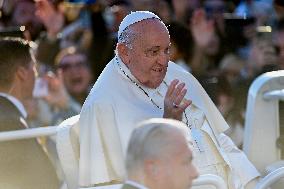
(23, 163)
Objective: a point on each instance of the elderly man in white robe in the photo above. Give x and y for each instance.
(141, 83)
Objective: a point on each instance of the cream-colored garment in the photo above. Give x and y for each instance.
(206, 155)
(115, 105)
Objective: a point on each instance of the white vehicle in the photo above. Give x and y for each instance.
(263, 142)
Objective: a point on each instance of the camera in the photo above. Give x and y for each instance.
(13, 32)
(235, 28)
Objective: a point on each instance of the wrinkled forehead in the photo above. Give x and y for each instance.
(150, 33)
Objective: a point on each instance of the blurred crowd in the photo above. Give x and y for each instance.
(225, 44)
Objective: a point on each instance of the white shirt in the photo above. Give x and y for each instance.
(135, 184)
(115, 105)
(17, 103)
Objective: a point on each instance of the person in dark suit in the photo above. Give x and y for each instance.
(23, 163)
(159, 156)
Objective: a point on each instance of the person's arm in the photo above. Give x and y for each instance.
(101, 155)
(53, 20)
(202, 31)
(241, 165)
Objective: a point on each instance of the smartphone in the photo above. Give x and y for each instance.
(41, 88)
(234, 28)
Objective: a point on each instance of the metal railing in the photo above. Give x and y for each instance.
(28, 133)
(274, 95)
(270, 179)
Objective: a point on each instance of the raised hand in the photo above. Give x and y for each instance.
(52, 19)
(202, 29)
(174, 102)
(57, 94)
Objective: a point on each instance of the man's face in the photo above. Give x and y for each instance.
(76, 73)
(177, 170)
(149, 56)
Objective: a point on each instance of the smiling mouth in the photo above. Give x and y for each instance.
(158, 70)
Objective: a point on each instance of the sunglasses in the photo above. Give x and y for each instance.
(68, 66)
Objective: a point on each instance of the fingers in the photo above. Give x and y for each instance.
(185, 104)
(177, 92)
(55, 81)
(172, 87)
(198, 16)
(180, 96)
(175, 102)
(176, 95)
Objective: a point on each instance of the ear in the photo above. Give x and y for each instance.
(151, 168)
(21, 73)
(123, 52)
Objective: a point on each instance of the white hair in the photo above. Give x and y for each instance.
(150, 140)
(128, 35)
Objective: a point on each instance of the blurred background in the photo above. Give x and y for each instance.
(224, 44)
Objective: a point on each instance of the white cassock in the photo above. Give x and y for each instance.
(116, 104)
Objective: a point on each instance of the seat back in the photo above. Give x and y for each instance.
(264, 120)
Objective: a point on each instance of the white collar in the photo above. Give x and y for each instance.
(17, 103)
(135, 184)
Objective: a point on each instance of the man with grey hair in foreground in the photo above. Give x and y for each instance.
(159, 156)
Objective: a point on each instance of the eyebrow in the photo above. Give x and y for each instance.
(152, 48)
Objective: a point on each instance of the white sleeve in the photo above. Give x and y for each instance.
(101, 158)
(239, 161)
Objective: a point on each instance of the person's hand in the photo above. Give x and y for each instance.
(201, 28)
(175, 103)
(57, 94)
(52, 19)
(31, 107)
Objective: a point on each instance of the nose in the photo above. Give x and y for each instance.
(163, 59)
(194, 173)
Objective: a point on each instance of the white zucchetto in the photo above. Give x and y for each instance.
(133, 18)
